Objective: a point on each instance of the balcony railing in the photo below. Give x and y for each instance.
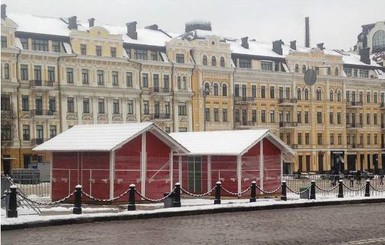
(354, 104)
(244, 100)
(288, 124)
(37, 141)
(287, 101)
(354, 125)
(43, 113)
(41, 83)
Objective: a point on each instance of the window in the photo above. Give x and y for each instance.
(40, 45)
(299, 93)
(253, 91)
(213, 61)
(115, 78)
(24, 103)
(40, 132)
(375, 139)
(154, 55)
(113, 51)
(296, 69)
(6, 71)
(26, 132)
(224, 115)
(167, 108)
(222, 62)
(182, 109)
(207, 114)
(244, 63)
(368, 119)
(180, 58)
(216, 89)
(338, 117)
(70, 75)
(272, 116)
(378, 41)
(39, 105)
(280, 92)
(266, 65)
(24, 72)
(244, 90)
(336, 72)
(216, 114)
(375, 119)
(317, 70)
(115, 106)
(51, 105)
(83, 49)
(331, 117)
(299, 117)
(339, 139)
(375, 97)
(263, 92)
(361, 97)
(24, 43)
(236, 90)
(368, 97)
(156, 109)
(299, 138)
(331, 95)
(348, 71)
(51, 73)
(70, 105)
(331, 139)
(306, 117)
(155, 79)
(85, 76)
(263, 116)
(37, 73)
(86, 105)
(319, 94)
(303, 68)
(347, 96)
(56, 46)
(100, 77)
(236, 115)
(52, 131)
(146, 107)
(166, 83)
(5, 102)
(101, 106)
(98, 50)
(287, 92)
(129, 79)
(6, 132)
(4, 43)
(272, 95)
(329, 71)
(130, 107)
(339, 96)
(145, 80)
(307, 138)
(141, 54)
(368, 139)
(319, 117)
(319, 139)
(306, 94)
(204, 60)
(364, 73)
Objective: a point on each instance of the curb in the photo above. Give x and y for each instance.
(165, 214)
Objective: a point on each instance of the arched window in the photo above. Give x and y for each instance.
(224, 89)
(296, 68)
(319, 94)
(207, 86)
(216, 90)
(336, 72)
(299, 94)
(213, 61)
(222, 62)
(204, 60)
(378, 40)
(329, 71)
(331, 95)
(303, 69)
(339, 96)
(306, 94)
(6, 71)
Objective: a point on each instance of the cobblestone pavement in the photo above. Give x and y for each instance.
(333, 225)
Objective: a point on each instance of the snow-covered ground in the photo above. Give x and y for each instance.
(64, 211)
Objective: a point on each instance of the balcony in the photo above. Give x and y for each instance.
(353, 125)
(245, 124)
(39, 84)
(354, 104)
(287, 102)
(43, 113)
(37, 141)
(244, 100)
(288, 124)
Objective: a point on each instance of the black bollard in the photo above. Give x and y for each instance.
(176, 201)
(312, 190)
(12, 203)
(253, 192)
(283, 191)
(131, 198)
(217, 199)
(340, 189)
(367, 188)
(78, 200)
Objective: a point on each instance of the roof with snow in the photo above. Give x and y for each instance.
(104, 137)
(255, 48)
(234, 142)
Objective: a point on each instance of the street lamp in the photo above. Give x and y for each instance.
(205, 91)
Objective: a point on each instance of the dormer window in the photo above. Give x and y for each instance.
(98, 50)
(83, 49)
(267, 65)
(113, 52)
(180, 58)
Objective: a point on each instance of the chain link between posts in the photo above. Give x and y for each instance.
(298, 192)
(236, 193)
(198, 195)
(268, 192)
(105, 200)
(46, 203)
(351, 189)
(155, 200)
(375, 189)
(326, 190)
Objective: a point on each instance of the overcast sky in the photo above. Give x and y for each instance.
(334, 22)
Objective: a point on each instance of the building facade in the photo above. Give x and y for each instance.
(61, 72)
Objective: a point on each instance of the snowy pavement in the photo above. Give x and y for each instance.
(62, 214)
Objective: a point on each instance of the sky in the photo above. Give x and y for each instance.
(336, 23)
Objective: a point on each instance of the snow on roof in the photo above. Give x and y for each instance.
(94, 137)
(42, 25)
(354, 59)
(255, 48)
(232, 142)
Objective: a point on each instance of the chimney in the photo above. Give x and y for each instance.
(277, 47)
(245, 42)
(307, 33)
(3, 11)
(131, 30)
(293, 45)
(72, 25)
(320, 46)
(91, 22)
(365, 55)
(152, 27)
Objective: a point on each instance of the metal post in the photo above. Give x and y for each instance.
(253, 192)
(217, 199)
(312, 190)
(367, 188)
(12, 203)
(340, 189)
(131, 198)
(78, 200)
(283, 191)
(176, 202)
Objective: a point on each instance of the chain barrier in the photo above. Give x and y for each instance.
(154, 200)
(326, 190)
(375, 189)
(298, 192)
(105, 200)
(4, 196)
(234, 193)
(46, 203)
(197, 195)
(351, 189)
(268, 192)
